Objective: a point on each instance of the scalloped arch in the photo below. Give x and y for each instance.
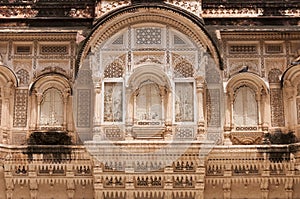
(167, 15)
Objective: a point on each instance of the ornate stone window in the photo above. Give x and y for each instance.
(247, 97)
(51, 98)
(245, 107)
(52, 108)
(148, 103)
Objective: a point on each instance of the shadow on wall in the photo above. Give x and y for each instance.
(54, 146)
(280, 153)
(278, 137)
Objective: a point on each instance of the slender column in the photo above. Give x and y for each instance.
(200, 106)
(227, 189)
(33, 118)
(65, 100)
(289, 93)
(231, 110)
(228, 118)
(129, 113)
(97, 104)
(163, 94)
(39, 100)
(258, 99)
(169, 107)
(264, 187)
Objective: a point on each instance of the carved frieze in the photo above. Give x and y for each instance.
(275, 63)
(238, 64)
(17, 12)
(192, 6)
(106, 6)
(231, 12)
(148, 57)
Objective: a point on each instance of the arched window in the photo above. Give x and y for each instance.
(148, 102)
(52, 108)
(245, 107)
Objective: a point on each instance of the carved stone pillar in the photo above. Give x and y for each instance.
(163, 96)
(129, 98)
(228, 118)
(33, 186)
(168, 120)
(264, 187)
(70, 189)
(33, 112)
(98, 184)
(227, 189)
(258, 99)
(65, 101)
(9, 188)
(200, 105)
(289, 93)
(7, 91)
(39, 101)
(98, 103)
(264, 111)
(69, 113)
(289, 188)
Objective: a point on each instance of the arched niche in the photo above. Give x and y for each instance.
(149, 86)
(50, 98)
(108, 26)
(290, 82)
(247, 97)
(153, 50)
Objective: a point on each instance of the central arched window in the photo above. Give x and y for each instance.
(52, 108)
(245, 107)
(148, 102)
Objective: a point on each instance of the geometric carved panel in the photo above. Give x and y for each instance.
(184, 133)
(23, 76)
(277, 111)
(19, 138)
(20, 108)
(84, 108)
(213, 108)
(148, 36)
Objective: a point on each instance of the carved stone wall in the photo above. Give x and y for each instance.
(20, 108)
(277, 109)
(213, 107)
(84, 108)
